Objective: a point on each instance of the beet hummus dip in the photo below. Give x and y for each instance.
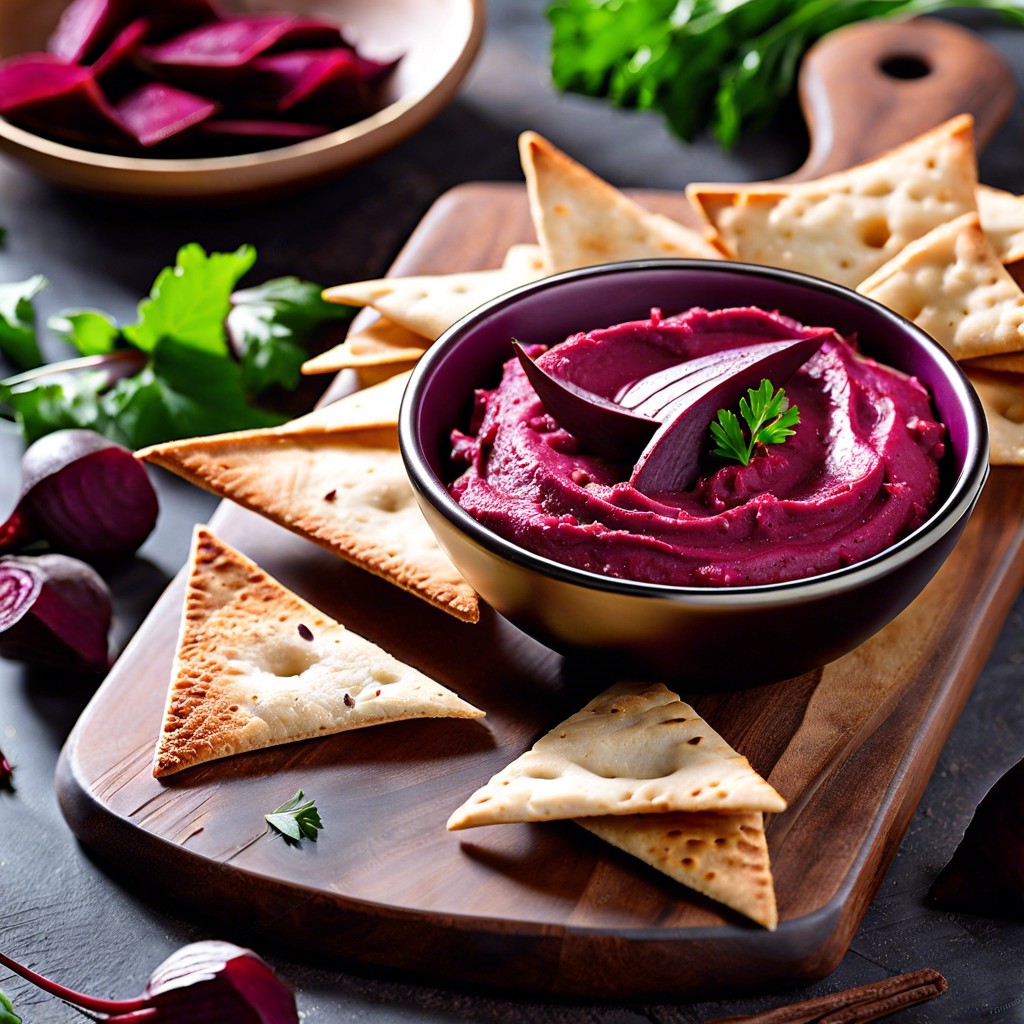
(860, 472)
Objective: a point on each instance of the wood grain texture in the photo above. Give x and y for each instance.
(543, 907)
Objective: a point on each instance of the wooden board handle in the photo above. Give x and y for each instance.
(871, 86)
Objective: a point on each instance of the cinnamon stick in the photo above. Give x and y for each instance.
(853, 1005)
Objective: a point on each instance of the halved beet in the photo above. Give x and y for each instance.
(125, 45)
(233, 42)
(86, 26)
(687, 404)
(54, 610)
(155, 112)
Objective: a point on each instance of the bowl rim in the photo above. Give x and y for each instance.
(960, 499)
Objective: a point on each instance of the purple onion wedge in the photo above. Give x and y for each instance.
(54, 610)
(685, 402)
(203, 983)
(84, 495)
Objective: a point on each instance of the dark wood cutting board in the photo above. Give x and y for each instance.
(538, 907)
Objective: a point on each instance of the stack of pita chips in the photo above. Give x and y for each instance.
(641, 770)
(257, 666)
(335, 476)
(911, 228)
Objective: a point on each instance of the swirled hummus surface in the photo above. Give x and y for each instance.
(860, 472)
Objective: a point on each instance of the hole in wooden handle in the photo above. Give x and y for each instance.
(905, 65)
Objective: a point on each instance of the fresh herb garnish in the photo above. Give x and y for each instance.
(195, 362)
(726, 65)
(18, 322)
(295, 819)
(767, 418)
(7, 1014)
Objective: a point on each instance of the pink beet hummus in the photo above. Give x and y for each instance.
(860, 472)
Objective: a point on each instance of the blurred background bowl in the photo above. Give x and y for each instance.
(700, 635)
(437, 40)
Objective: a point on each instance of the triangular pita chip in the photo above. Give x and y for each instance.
(525, 258)
(257, 666)
(722, 856)
(952, 285)
(581, 220)
(1009, 362)
(844, 226)
(428, 305)
(635, 749)
(342, 486)
(378, 344)
(1002, 218)
(1002, 396)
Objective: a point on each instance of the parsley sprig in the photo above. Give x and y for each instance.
(295, 819)
(768, 420)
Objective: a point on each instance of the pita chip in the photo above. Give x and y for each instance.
(635, 749)
(844, 226)
(1010, 362)
(952, 285)
(525, 258)
(581, 220)
(1002, 218)
(1002, 396)
(335, 476)
(429, 304)
(381, 343)
(257, 666)
(722, 856)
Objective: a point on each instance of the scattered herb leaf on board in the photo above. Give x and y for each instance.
(7, 1014)
(296, 819)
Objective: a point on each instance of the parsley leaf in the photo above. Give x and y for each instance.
(767, 418)
(18, 322)
(91, 331)
(296, 820)
(7, 1014)
(191, 300)
(266, 327)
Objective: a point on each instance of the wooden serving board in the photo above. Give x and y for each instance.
(531, 907)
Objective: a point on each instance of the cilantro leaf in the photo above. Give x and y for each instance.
(267, 327)
(18, 322)
(768, 420)
(296, 820)
(190, 301)
(91, 331)
(7, 1014)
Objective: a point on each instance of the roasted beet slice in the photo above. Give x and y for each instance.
(233, 42)
(155, 112)
(171, 18)
(86, 26)
(331, 81)
(123, 48)
(46, 94)
(243, 135)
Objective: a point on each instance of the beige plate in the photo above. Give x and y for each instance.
(437, 38)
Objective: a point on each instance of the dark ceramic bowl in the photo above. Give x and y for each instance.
(692, 634)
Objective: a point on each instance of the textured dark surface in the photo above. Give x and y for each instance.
(67, 916)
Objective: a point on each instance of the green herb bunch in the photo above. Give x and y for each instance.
(726, 65)
(769, 420)
(198, 359)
